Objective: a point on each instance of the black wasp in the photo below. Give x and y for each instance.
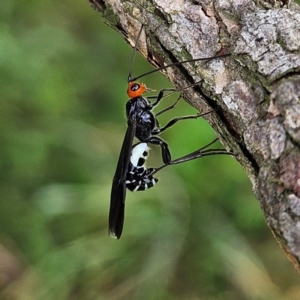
(143, 124)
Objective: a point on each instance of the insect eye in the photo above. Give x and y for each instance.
(135, 87)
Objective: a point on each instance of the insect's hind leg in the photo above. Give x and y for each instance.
(203, 151)
(165, 151)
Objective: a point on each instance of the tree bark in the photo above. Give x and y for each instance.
(255, 91)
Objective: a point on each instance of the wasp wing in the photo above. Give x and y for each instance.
(118, 190)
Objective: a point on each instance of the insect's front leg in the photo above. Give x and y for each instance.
(161, 95)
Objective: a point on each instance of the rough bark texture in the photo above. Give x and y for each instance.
(256, 89)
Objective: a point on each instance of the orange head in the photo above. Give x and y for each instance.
(135, 89)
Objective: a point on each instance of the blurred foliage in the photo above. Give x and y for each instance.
(199, 234)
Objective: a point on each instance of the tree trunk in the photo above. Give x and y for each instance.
(255, 91)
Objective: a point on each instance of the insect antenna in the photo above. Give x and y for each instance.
(179, 63)
(130, 79)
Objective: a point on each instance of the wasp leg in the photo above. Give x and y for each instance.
(175, 120)
(161, 95)
(194, 155)
(166, 155)
(169, 107)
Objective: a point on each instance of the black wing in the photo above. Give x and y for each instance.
(118, 190)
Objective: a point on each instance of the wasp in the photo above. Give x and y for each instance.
(142, 123)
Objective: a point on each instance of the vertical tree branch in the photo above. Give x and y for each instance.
(256, 90)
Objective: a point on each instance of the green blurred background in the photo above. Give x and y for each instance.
(199, 234)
